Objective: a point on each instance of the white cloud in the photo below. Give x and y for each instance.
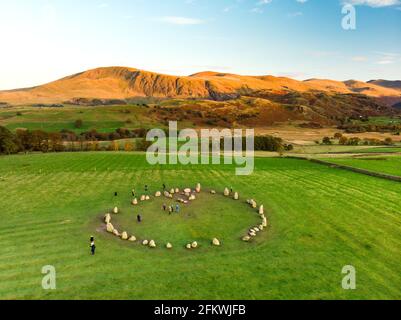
(373, 3)
(387, 58)
(263, 2)
(181, 20)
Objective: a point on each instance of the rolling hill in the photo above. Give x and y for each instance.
(124, 83)
(387, 84)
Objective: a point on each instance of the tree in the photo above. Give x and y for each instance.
(142, 145)
(343, 141)
(338, 135)
(114, 146)
(388, 141)
(128, 146)
(353, 141)
(94, 146)
(327, 140)
(8, 142)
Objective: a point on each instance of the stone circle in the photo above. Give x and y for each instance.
(190, 194)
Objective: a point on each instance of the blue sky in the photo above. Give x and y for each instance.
(43, 40)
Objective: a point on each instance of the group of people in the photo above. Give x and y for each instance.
(171, 208)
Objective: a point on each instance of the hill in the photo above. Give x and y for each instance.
(124, 83)
(387, 84)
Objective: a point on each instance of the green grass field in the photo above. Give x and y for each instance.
(102, 118)
(321, 219)
(383, 164)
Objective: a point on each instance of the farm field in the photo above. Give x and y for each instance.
(103, 118)
(106, 119)
(320, 219)
(383, 164)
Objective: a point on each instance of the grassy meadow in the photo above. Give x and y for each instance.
(388, 164)
(320, 218)
(54, 119)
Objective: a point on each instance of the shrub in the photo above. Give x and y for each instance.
(8, 142)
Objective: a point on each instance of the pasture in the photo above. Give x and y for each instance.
(54, 119)
(389, 164)
(320, 219)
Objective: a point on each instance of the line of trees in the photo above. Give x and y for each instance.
(266, 143)
(355, 141)
(41, 141)
(94, 135)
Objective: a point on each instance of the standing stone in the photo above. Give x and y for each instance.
(252, 234)
(107, 218)
(132, 239)
(158, 194)
(264, 223)
(172, 191)
(216, 242)
(194, 245)
(198, 188)
(152, 244)
(115, 210)
(246, 238)
(226, 192)
(213, 192)
(261, 209)
(145, 242)
(110, 228)
(143, 198)
(189, 246)
(236, 196)
(147, 198)
(169, 246)
(135, 202)
(124, 235)
(116, 233)
(177, 190)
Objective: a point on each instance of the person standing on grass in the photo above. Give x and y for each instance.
(164, 207)
(92, 245)
(139, 218)
(133, 193)
(177, 208)
(146, 188)
(164, 187)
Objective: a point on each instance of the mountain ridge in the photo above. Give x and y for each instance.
(124, 83)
